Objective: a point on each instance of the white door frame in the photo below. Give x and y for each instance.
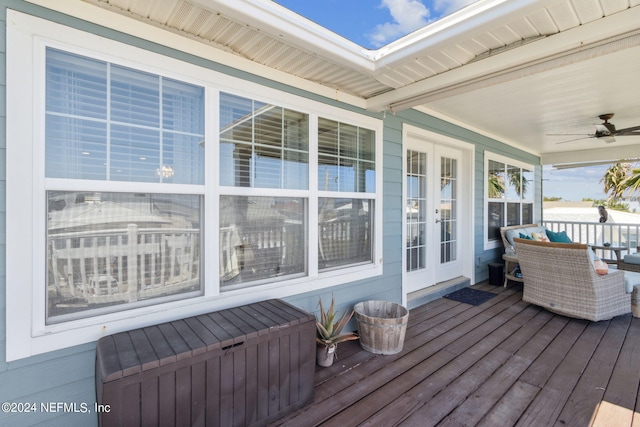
(467, 200)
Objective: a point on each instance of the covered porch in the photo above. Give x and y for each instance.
(504, 362)
(519, 83)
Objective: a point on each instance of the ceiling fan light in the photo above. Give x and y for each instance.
(608, 139)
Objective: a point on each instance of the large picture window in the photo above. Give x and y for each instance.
(509, 195)
(111, 250)
(142, 188)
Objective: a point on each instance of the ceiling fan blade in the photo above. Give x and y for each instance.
(635, 130)
(596, 163)
(575, 139)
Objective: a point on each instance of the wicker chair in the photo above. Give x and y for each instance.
(505, 230)
(560, 277)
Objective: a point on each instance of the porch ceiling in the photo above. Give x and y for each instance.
(515, 71)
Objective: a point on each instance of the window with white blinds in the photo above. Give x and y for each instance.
(109, 122)
(262, 145)
(346, 159)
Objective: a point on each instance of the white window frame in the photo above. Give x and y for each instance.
(489, 156)
(26, 332)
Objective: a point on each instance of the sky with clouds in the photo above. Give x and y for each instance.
(574, 184)
(375, 23)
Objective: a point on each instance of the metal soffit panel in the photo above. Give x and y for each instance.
(210, 26)
(427, 62)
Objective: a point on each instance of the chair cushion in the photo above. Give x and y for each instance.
(632, 258)
(559, 237)
(540, 237)
(631, 279)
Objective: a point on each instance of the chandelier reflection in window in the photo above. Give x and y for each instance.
(165, 171)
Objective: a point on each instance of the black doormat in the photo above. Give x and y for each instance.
(470, 296)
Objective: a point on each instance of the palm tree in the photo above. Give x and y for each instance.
(614, 180)
(496, 186)
(518, 181)
(632, 182)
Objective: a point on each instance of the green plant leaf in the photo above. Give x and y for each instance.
(329, 331)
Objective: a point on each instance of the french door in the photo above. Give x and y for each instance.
(432, 217)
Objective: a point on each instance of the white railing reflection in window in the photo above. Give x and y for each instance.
(261, 238)
(344, 232)
(114, 251)
(94, 268)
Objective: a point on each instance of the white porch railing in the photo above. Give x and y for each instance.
(618, 235)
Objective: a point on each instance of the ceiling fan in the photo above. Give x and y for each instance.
(605, 131)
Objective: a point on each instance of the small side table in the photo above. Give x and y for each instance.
(615, 249)
(510, 262)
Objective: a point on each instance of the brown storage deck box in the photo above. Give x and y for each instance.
(242, 366)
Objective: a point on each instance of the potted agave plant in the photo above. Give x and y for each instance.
(329, 333)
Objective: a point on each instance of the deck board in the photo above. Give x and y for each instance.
(504, 362)
(621, 393)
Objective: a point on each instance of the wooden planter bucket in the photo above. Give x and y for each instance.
(381, 325)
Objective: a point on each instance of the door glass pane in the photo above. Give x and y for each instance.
(416, 182)
(448, 209)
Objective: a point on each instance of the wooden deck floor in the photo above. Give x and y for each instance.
(502, 363)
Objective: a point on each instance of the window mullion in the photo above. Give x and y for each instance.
(282, 147)
(211, 203)
(108, 163)
(160, 132)
(312, 232)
